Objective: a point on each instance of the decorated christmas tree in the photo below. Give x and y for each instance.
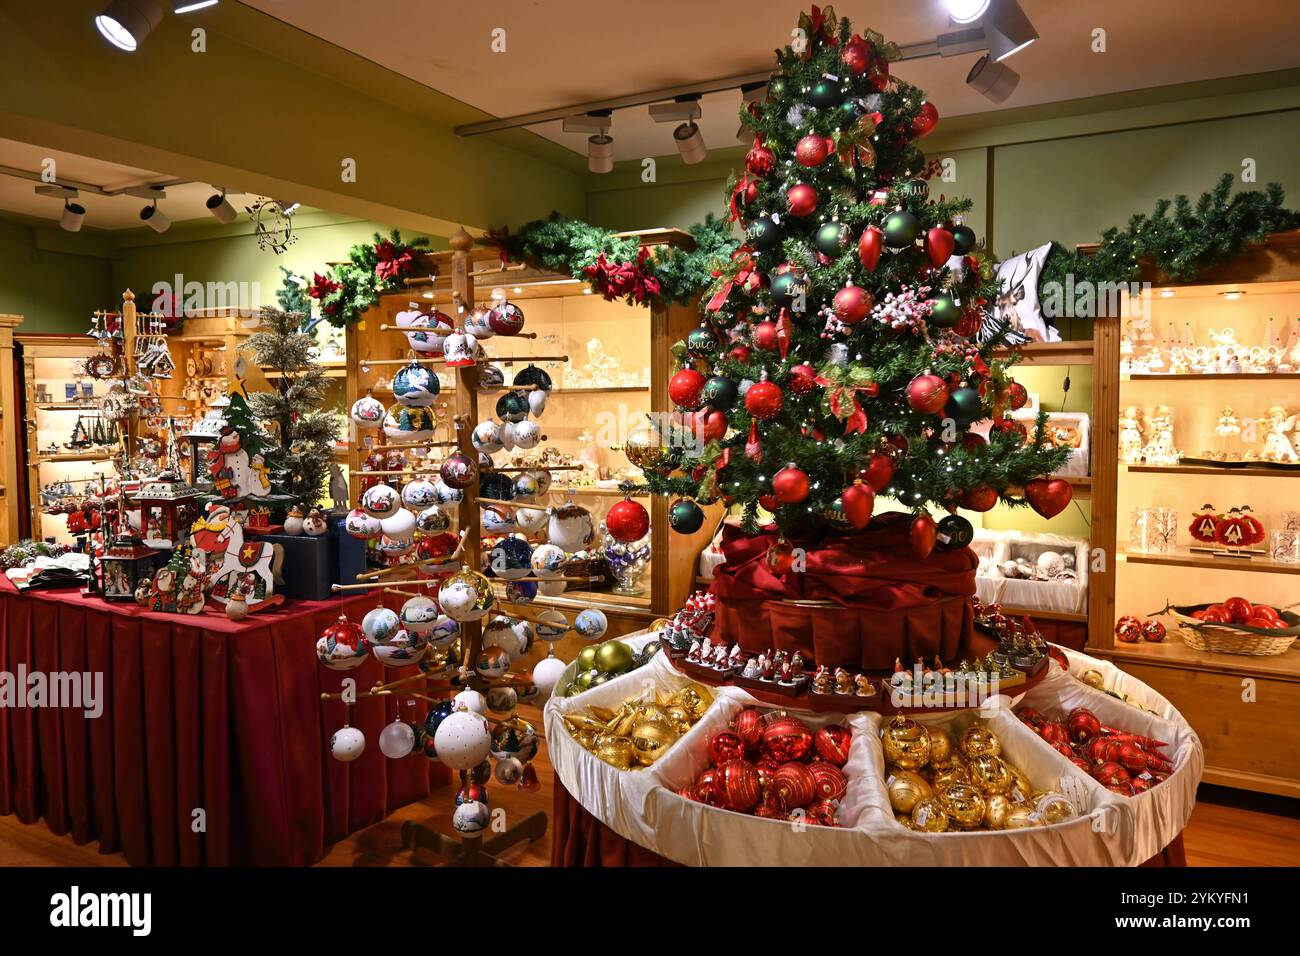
(304, 433)
(836, 357)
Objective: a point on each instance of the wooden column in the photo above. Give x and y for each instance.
(1105, 478)
(13, 432)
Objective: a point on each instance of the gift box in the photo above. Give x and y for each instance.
(313, 564)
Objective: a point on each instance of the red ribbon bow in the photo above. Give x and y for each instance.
(843, 402)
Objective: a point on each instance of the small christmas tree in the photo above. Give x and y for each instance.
(305, 433)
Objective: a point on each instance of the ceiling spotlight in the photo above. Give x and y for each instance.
(690, 143)
(996, 81)
(73, 216)
(155, 218)
(189, 6)
(687, 135)
(966, 11)
(1007, 29)
(600, 145)
(126, 23)
(220, 207)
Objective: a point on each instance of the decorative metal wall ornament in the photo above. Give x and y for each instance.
(273, 225)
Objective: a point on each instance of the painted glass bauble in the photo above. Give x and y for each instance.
(497, 520)
(516, 738)
(397, 740)
(509, 772)
(463, 740)
(477, 324)
(533, 375)
(502, 700)
(380, 624)
(512, 407)
(466, 596)
(789, 289)
(458, 471)
(347, 744)
(415, 386)
(368, 412)
(764, 234)
(486, 437)
(492, 662)
(406, 424)
(571, 528)
(499, 632)
(361, 524)
(591, 624)
(547, 673)
(432, 520)
(470, 700)
(471, 817)
(403, 648)
(496, 484)
(419, 493)
(531, 520)
(521, 592)
(446, 494)
(419, 614)
(548, 561)
(462, 350)
(381, 501)
(506, 319)
(444, 632)
(537, 402)
(526, 486)
(720, 393)
(552, 588)
(343, 645)
(401, 524)
(702, 342)
(551, 625)
(511, 558)
(524, 434)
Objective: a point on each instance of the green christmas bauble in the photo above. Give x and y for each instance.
(963, 240)
(764, 234)
(825, 92)
(852, 108)
(720, 393)
(722, 319)
(832, 238)
(614, 657)
(963, 405)
(512, 407)
(901, 229)
(702, 342)
(587, 658)
(685, 516)
(916, 189)
(954, 532)
(790, 289)
(946, 312)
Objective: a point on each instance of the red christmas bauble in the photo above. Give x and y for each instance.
(1012, 427)
(794, 785)
(724, 746)
(748, 726)
(801, 200)
(1128, 629)
(852, 304)
(828, 780)
(1153, 631)
(1018, 395)
(802, 380)
(713, 425)
(922, 533)
(878, 472)
(790, 485)
(859, 501)
(740, 353)
(939, 244)
(787, 738)
(856, 56)
(822, 813)
(765, 336)
(927, 393)
(627, 521)
(832, 744)
(685, 388)
(768, 503)
(925, 121)
(764, 400)
(760, 161)
(870, 245)
(1082, 724)
(737, 785)
(1111, 774)
(1054, 732)
(979, 498)
(812, 150)
(1048, 496)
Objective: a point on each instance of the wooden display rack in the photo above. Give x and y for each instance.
(10, 436)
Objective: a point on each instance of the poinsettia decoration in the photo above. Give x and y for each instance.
(618, 280)
(352, 287)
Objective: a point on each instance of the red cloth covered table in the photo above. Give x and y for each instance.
(199, 713)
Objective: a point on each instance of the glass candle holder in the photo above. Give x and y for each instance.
(1284, 546)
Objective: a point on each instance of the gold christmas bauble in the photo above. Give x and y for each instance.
(650, 739)
(906, 789)
(645, 449)
(996, 809)
(617, 751)
(1021, 788)
(1054, 808)
(954, 773)
(905, 820)
(977, 740)
(1093, 678)
(941, 749)
(965, 806)
(1021, 816)
(930, 816)
(906, 743)
(989, 775)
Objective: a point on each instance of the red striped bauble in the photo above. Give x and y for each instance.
(748, 726)
(724, 746)
(794, 785)
(832, 744)
(830, 780)
(787, 738)
(737, 783)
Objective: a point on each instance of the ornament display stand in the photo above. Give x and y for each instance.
(473, 849)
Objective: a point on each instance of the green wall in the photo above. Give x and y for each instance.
(52, 281)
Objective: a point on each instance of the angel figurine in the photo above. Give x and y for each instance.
(1228, 426)
(1130, 435)
(1160, 448)
(1277, 443)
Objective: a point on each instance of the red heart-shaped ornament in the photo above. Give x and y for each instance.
(1048, 496)
(939, 244)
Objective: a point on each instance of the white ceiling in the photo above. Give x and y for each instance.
(562, 52)
(18, 195)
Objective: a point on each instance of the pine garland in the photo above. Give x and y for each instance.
(348, 289)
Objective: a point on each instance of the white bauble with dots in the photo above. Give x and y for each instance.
(397, 740)
(591, 624)
(347, 744)
(547, 673)
(470, 700)
(463, 740)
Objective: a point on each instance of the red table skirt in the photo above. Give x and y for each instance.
(213, 744)
(579, 839)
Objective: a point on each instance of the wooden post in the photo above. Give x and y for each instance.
(1105, 478)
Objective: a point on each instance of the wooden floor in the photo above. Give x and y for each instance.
(1228, 828)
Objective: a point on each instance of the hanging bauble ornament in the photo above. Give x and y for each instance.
(627, 521)
(419, 493)
(512, 407)
(466, 596)
(506, 319)
(945, 313)
(925, 121)
(461, 350)
(397, 740)
(492, 662)
(477, 324)
(685, 516)
(463, 741)
(856, 56)
(445, 632)
(980, 498)
(790, 485)
(511, 558)
(915, 162)
(954, 532)
(548, 560)
(415, 386)
(801, 200)
(532, 375)
(402, 649)
(571, 528)
(1017, 395)
(1048, 496)
(447, 495)
(720, 393)
(859, 501)
(361, 524)
(916, 189)
(400, 525)
(503, 700)
(852, 304)
(406, 424)
(939, 245)
(458, 470)
(702, 342)
(547, 673)
(878, 471)
(530, 520)
(870, 245)
(712, 424)
(525, 434)
(526, 486)
(790, 289)
(686, 389)
(347, 744)
(368, 412)
(963, 239)
(381, 501)
(394, 547)
(490, 378)
(922, 533)
(486, 437)
(380, 624)
(760, 161)
(764, 400)
(901, 229)
(498, 520)
(963, 405)
(552, 625)
(802, 380)
(812, 150)
(764, 234)
(419, 614)
(927, 393)
(342, 646)
(825, 92)
(612, 656)
(832, 238)
(470, 700)
(765, 336)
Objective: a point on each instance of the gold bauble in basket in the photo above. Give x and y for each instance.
(904, 819)
(977, 740)
(941, 748)
(1021, 788)
(989, 775)
(650, 739)
(996, 809)
(906, 743)
(1055, 808)
(930, 816)
(1021, 816)
(945, 778)
(906, 789)
(616, 751)
(692, 698)
(965, 806)
(1093, 679)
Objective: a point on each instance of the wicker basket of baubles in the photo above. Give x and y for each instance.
(1236, 626)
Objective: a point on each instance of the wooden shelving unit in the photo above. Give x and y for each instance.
(12, 436)
(1210, 376)
(1245, 471)
(1078, 352)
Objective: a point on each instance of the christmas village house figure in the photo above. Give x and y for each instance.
(124, 566)
(166, 505)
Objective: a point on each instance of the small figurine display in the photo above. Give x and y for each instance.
(1132, 430)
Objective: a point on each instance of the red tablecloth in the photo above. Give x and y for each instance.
(579, 839)
(200, 713)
